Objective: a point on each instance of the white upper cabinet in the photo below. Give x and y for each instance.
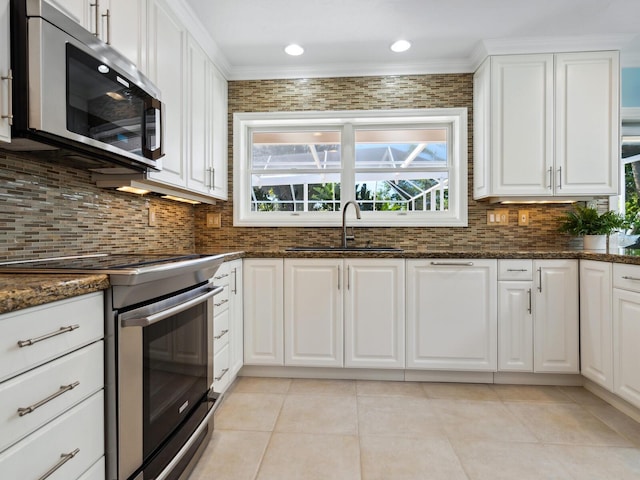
(452, 315)
(546, 125)
(80, 11)
(167, 52)
(218, 105)
(5, 74)
(123, 25)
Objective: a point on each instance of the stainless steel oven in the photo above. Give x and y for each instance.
(165, 370)
(158, 358)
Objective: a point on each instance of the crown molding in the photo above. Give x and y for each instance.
(579, 43)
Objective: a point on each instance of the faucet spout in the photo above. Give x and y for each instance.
(346, 237)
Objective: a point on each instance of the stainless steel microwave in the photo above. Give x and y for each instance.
(74, 93)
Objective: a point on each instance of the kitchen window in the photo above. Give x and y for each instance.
(403, 167)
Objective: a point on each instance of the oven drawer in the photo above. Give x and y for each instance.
(220, 330)
(221, 372)
(52, 329)
(80, 373)
(79, 431)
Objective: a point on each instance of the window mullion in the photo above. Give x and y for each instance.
(348, 177)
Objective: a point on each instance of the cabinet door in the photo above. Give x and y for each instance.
(80, 11)
(482, 130)
(556, 316)
(236, 317)
(626, 338)
(522, 124)
(452, 314)
(167, 46)
(198, 119)
(587, 123)
(218, 134)
(5, 65)
(596, 328)
(374, 314)
(263, 326)
(125, 28)
(313, 334)
(515, 326)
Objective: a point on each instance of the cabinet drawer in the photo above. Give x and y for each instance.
(515, 270)
(46, 327)
(221, 369)
(220, 330)
(221, 301)
(222, 276)
(84, 366)
(79, 430)
(626, 277)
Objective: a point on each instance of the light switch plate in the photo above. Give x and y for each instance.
(214, 220)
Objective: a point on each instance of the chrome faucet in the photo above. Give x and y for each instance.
(346, 237)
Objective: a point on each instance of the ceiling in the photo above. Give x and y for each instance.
(352, 37)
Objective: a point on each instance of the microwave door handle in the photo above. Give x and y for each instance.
(169, 312)
(158, 151)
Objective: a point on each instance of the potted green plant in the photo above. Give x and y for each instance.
(593, 226)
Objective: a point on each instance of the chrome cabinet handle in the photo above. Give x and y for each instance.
(550, 186)
(63, 389)
(348, 277)
(453, 264)
(560, 172)
(529, 309)
(517, 270)
(627, 277)
(9, 79)
(96, 5)
(540, 279)
(222, 302)
(64, 458)
(222, 374)
(31, 341)
(108, 17)
(234, 290)
(220, 277)
(213, 177)
(222, 334)
(339, 275)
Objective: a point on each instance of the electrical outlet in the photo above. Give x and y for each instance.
(523, 218)
(153, 219)
(214, 220)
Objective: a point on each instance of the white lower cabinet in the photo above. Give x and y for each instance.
(556, 317)
(626, 332)
(374, 313)
(263, 311)
(452, 314)
(596, 327)
(70, 444)
(313, 321)
(515, 326)
(236, 318)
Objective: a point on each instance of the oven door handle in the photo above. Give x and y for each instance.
(169, 312)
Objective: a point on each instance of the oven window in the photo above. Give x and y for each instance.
(175, 372)
(103, 105)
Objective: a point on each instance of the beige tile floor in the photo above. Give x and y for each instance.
(293, 429)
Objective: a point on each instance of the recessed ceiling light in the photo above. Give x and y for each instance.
(294, 50)
(400, 46)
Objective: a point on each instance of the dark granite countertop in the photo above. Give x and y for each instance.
(19, 291)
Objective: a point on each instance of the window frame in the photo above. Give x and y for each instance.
(347, 122)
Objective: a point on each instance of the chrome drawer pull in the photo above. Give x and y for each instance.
(222, 334)
(222, 374)
(627, 277)
(517, 270)
(222, 302)
(453, 264)
(31, 341)
(64, 458)
(63, 389)
(220, 277)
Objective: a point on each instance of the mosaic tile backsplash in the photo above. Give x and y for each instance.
(47, 209)
(373, 93)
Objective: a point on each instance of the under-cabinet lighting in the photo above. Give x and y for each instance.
(128, 189)
(181, 199)
(400, 46)
(294, 50)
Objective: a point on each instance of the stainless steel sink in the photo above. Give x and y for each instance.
(344, 249)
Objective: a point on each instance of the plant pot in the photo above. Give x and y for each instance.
(595, 242)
